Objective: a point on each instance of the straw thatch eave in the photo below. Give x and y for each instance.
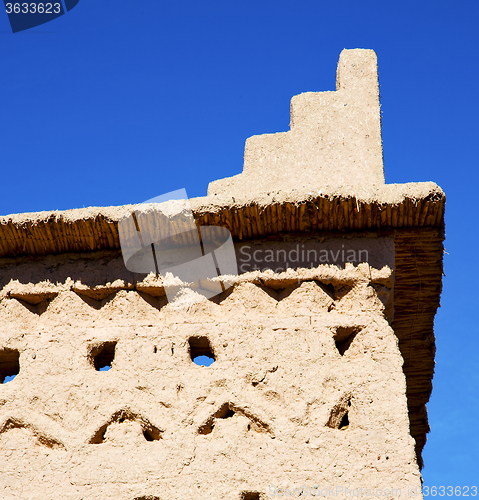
(386, 207)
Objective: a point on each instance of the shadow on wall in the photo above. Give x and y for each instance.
(99, 268)
(292, 252)
(91, 269)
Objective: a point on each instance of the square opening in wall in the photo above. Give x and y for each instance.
(102, 356)
(201, 352)
(250, 495)
(9, 364)
(339, 418)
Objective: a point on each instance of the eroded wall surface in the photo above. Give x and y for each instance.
(307, 388)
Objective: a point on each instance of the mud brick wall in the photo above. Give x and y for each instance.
(307, 387)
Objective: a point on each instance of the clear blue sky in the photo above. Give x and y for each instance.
(119, 101)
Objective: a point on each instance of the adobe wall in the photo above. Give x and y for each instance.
(323, 344)
(295, 351)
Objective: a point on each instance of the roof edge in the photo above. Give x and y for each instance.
(347, 208)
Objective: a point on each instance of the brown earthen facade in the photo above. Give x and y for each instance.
(323, 359)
